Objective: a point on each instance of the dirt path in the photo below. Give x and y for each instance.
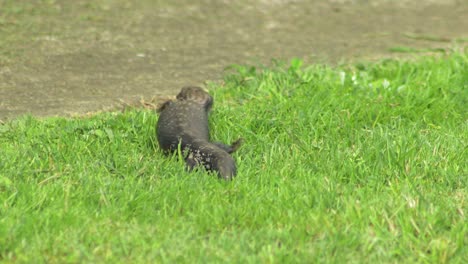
(59, 59)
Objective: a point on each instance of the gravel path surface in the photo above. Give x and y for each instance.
(77, 57)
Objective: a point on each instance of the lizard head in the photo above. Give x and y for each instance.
(196, 94)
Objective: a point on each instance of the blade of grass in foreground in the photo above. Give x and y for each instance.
(358, 163)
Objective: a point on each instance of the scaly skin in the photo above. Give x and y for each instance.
(185, 121)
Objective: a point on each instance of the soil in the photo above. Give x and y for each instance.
(84, 57)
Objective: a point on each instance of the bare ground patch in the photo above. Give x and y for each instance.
(61, 58)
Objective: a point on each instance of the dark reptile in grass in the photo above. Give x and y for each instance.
(185, 121)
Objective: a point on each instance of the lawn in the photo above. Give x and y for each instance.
(356, 163)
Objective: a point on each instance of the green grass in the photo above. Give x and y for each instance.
(363, 163)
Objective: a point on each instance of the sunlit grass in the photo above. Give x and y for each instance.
(359, 163)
